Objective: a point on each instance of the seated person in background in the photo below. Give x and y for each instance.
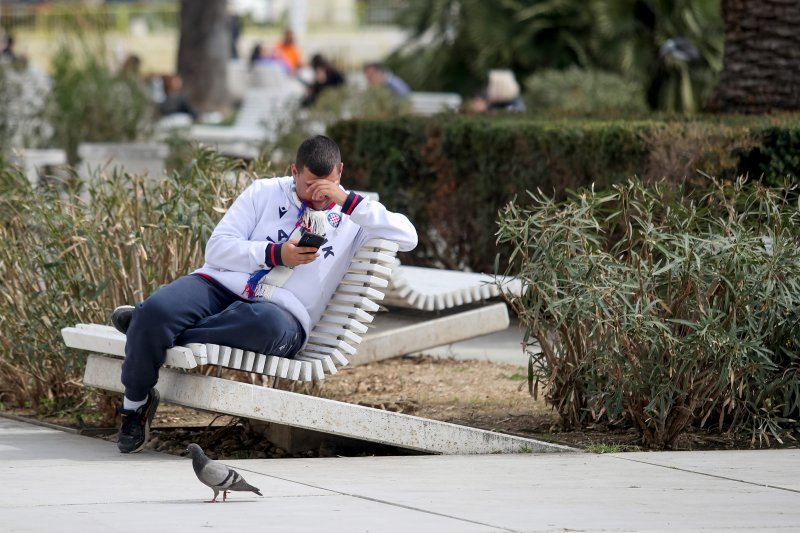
(325, 76)
(379, 76)
(259, 57)
(131, 68)
(258, 290)
(175, 100)
(8, 49)
(502, 92)
(288, 51)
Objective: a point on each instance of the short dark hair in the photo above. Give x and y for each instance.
(319, 154)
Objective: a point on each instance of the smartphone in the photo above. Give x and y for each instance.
(311, 239)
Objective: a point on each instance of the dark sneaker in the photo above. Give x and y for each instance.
(121, 317)
(135, 428)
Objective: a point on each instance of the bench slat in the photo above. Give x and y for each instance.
(360, 291)
(382, 244)
(338, 333)
(225, 356)
(377, 257)
(283, 367)
(349, 312)
(213, 353)
(236, 358)
(342, 322)
(327, 351)
(271, 367)
(248, 361)
(261, 362)
(295, 367)
(370, 268)
(359, 302)
(372, 281)
(199, 351)
(317, 371)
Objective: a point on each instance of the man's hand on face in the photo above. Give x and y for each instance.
(327, 190)
(293, 255)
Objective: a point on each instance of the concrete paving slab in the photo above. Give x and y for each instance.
(777, 468)
(78, 484)
(570, 491)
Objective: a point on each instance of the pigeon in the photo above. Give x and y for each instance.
(216, 475)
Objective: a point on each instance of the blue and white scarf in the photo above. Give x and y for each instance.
(263, 282)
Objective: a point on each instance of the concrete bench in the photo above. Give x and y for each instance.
(39, 163)
(435, 289)
(332, 342)
(145, 158)
(261, 117)
(334, 338)
(427, 103)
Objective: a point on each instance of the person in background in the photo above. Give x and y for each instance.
(175, 100)
(325, 76)
(8, 49)
(288, 51)
(131, 68)
(379, 76)
(235, 22)
(259, 57)
(502, 93)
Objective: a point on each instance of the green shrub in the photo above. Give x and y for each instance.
(452, 173)
(65, 260)
(576, 91)
(89, 103)
(660, 309)
(774, 157)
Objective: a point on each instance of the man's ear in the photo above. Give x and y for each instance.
(341, 169)
(294, 170)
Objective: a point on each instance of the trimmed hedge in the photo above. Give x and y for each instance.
(452, 173)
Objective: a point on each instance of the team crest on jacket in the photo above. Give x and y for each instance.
(334, 219)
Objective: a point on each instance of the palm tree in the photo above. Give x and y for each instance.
(762, 39)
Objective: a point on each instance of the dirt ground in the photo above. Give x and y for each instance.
(481, 394)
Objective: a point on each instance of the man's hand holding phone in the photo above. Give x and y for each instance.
(301, 252)
(293, 253)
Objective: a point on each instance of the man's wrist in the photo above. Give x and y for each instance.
(351, 202)
(272, 255)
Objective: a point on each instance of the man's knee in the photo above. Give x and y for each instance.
(155, 311)
(265, 317)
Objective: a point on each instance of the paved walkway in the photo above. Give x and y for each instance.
(57, 481)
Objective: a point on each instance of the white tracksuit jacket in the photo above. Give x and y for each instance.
(248, 239)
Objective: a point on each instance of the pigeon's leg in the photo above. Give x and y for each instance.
(224, 495)
(214, 500)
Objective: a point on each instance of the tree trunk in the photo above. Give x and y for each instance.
(761, 69)
(203, 53)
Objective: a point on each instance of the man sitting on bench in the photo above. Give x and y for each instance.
(261, 289)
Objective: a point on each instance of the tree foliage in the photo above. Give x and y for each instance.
(454, 43)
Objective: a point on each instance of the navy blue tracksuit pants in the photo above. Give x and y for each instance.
(194, 309)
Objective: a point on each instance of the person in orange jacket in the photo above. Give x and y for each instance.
(288, 51)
